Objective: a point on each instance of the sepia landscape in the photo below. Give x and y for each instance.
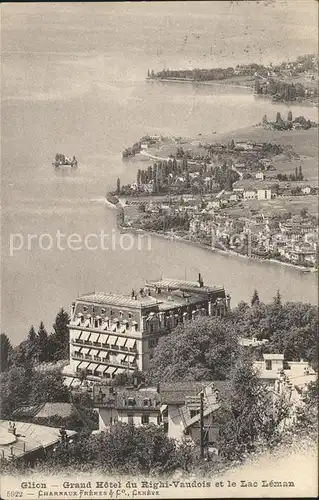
(159, 249)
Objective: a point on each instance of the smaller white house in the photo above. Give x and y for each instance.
(306, 190)
(246, 342)
(260, 176)
(274, 365)
(250, 194)
(264, 194)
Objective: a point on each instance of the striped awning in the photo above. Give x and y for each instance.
(84, 350)
(112, 339)
(109, 369)
(83, 365)
(121, 357)
(130, 343)
(94, 337)
(121, 341)
(85, 335)
(77, 365)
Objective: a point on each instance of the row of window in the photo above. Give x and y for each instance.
(103, 311)
(107, 359)
(97, 323)
(113, 347)
(145, 419)
(97, 373)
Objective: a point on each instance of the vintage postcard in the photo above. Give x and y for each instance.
(159, 250)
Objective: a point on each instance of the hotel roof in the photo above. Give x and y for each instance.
(174, 284)
(118, 300)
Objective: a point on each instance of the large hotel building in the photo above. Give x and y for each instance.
(110, 334)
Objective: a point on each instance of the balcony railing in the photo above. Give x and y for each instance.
(107, 347)
(105, 361)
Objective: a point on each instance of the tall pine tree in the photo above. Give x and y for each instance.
(43, 344)
(255, 299)
(60, 336)
(5, 352)
(277, 299)
(32, 344)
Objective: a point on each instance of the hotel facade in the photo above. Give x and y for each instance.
(111, 334)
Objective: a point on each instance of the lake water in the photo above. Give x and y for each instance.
(77, 86)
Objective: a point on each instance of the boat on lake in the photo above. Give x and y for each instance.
(62, 161)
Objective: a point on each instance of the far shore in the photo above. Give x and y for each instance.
(227, 81)
(231, 82)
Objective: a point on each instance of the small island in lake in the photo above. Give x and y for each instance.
(62, 161)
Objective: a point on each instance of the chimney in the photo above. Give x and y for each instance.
(200, 280)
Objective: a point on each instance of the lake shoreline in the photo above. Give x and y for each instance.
(228, 82)
(168, 235)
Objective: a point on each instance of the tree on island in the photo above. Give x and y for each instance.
(255, 299)
(289, 117)
(278, 117)
(118, 186)
(265, 120)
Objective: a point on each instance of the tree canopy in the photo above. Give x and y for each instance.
(249, 416)
(5, 352)
(290, 327)
(197, 350)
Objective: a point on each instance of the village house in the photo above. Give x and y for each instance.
(175, 406)
(269, 370)
(244, 146)
(260, 176)
(286, 380)
(264, 194)
(306, 190)
(250, 194)
(253, 342)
